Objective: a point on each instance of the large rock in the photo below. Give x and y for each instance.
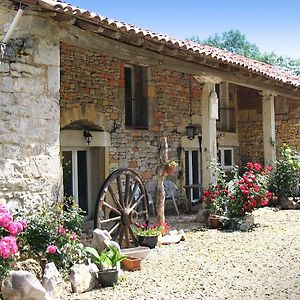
(83, 278)
(102, 240)
(53, 281)
(20, 285)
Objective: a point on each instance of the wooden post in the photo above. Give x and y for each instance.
(160, 193)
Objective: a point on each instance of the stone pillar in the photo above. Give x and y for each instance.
(268, 126)
(209, 132)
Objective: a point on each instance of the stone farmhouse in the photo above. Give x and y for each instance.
(82, 95)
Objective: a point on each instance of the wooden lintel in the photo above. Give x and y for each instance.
(153, 46)
(89, 26)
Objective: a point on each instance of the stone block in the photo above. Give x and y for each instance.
(53, 81)
(7, 84)
(19, 285)
(28, 70)
(82, 278)
(47, 53)
(34, 86)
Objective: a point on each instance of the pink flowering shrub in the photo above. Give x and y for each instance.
(9, 229)
(242, 194)
(52, 233)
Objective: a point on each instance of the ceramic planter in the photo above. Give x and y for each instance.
(131, 263)
(214, 222)
(108, 278)
(148, 241)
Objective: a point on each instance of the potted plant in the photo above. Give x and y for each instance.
(148, 235)
(107, 262)
(170, 167)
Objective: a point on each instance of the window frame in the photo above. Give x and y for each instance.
(222, 158)
(134, 99)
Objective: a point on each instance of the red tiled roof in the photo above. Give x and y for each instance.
(251, 65)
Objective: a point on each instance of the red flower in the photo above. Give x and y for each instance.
(257, 167)
(269, 168)
(264, 202)
(250, 165)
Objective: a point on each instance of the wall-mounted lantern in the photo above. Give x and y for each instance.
(88, 136)
(190, 131)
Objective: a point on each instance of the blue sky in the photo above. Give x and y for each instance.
(273, 25)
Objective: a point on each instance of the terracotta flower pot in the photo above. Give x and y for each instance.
(148, 241)
(214, 222)
(170, 170)
(131, 263)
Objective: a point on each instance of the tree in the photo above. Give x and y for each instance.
(236, 42)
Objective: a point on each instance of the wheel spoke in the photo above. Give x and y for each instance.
(111, 220)
(143, 212)
(127, 190)
(127, 237)
(132, 196)
(139, 200)
(114, 228)
(120, 191)
(133, 236)
(121, 236)
(115, 198)
(111, 208)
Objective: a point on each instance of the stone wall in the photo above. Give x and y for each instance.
(94, 82)
(250, 129)
(30, 169)
(288, 123)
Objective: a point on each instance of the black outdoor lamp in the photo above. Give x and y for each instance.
(190, 130)
(88, 136)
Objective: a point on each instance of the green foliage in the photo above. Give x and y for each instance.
(52, 233)
(108, 258)
(236, 42)
(286, 180)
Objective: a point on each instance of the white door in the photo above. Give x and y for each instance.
(76, 176)
(193, 173)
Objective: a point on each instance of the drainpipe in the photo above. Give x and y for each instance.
(13, 25)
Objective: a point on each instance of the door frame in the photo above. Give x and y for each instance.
(190, 168)
(75, 174)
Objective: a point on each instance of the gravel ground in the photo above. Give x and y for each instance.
(212, 264)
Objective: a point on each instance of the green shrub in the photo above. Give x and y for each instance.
(52, 233)
(286, 179)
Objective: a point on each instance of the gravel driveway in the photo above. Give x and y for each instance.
(211, 264)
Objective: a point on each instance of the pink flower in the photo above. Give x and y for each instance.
(13, 228)
(51, 249)
(62, 230)
(24, 223)
(269, 168)
(74, 236)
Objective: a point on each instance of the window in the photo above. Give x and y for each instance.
(227, 119)
(136, 104)
(225, 156)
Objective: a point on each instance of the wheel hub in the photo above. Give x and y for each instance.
(129, 216)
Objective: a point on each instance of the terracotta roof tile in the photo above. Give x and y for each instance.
(210, 52)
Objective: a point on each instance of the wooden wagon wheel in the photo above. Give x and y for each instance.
(121, 204)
